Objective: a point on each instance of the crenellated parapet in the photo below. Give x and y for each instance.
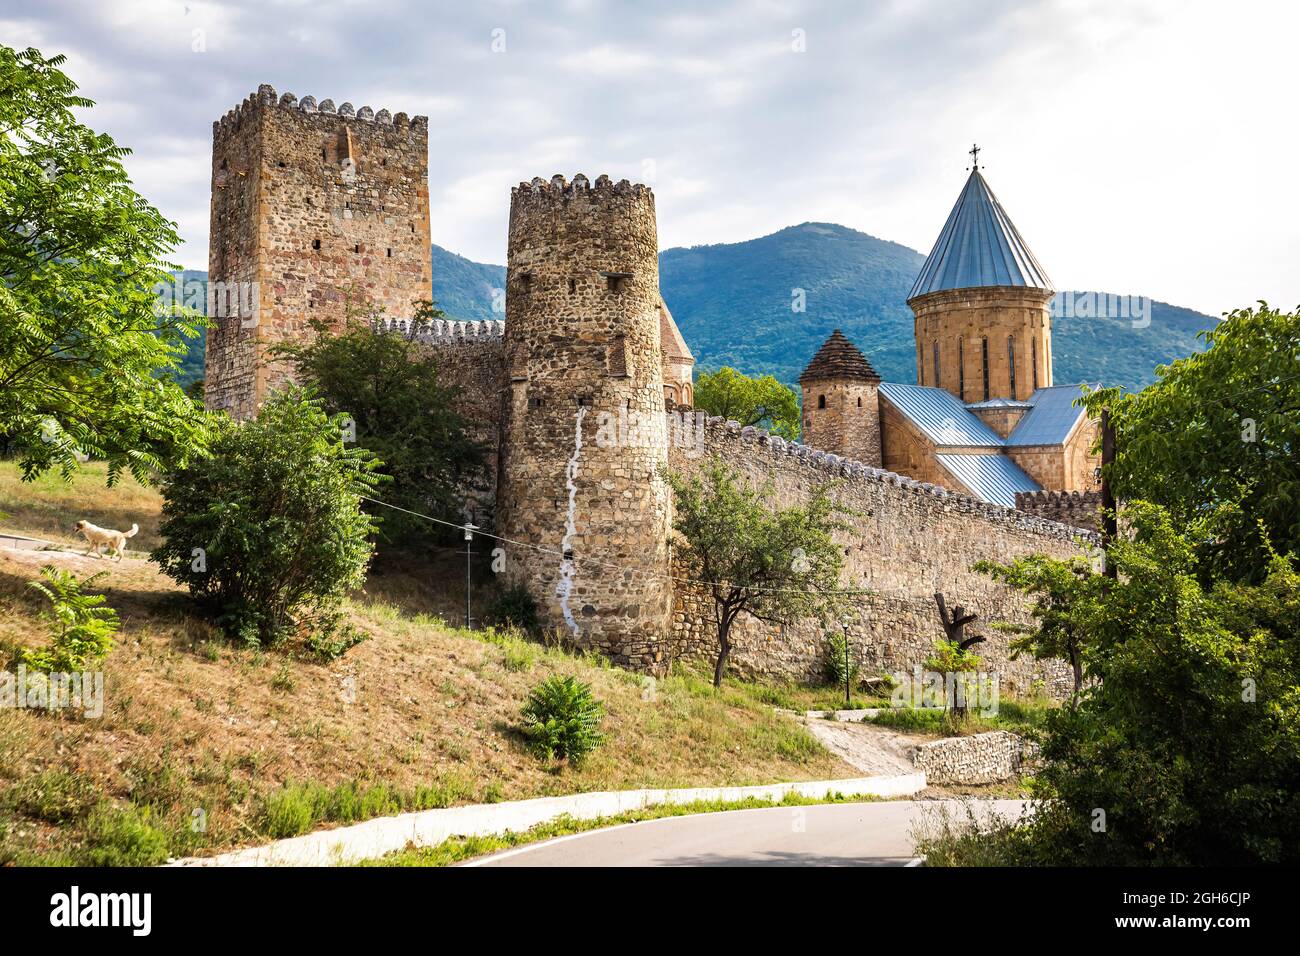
(266, 98)
(443, 330)
(733, 443)
(1082, 509)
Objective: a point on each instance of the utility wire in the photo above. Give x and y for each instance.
(610, 565)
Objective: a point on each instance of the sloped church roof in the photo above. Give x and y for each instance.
(979, 246)
(839, 358)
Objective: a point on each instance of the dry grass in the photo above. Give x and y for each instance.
(192, 722)
(50, 507)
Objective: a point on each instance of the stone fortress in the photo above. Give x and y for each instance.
(326, 210)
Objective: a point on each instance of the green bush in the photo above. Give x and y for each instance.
(389, 386)
(1184, 745)
(515, 607)
(82, 625)
(837, 672)
(561, 719)
(269, 531)
(123, 837)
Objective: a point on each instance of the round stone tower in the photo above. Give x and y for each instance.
(983, 305)
(584, 439)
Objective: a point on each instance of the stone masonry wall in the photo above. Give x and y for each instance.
(1079, 509)
(907, 541)
(959, 321)
(849, 424)
(327, 211)
(983, 758)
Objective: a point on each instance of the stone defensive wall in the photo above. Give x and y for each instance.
(471, 359)
(907, 540)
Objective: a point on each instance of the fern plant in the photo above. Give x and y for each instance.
(562, 719)
(82, 625)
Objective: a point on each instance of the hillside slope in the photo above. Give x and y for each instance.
(733, 302)
(423, 714)
(733, 305)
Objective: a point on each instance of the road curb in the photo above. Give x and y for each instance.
(430, 827)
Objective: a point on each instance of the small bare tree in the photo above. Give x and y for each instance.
(775, 564)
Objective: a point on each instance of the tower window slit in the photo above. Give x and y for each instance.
(984, 350)
(1011, 359)
(937, 379)
(821, 401)
(1033, 357)
(961, 369)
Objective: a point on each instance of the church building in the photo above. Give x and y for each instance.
(984, 417)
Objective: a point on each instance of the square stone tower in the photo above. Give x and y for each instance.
(841, 402)
(315, 211)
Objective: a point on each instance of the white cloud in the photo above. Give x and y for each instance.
(1139, 146)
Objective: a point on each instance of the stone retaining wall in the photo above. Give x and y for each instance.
(984, 758)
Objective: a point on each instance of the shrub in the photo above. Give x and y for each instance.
(389, 386)
(269, 532)
(123, 837)
(515, 607)
(837, 645)
(562, 719)
(82, 625)
(1186, 734)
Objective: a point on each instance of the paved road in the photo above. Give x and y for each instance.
(837, 834)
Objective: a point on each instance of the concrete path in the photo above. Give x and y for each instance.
(843, 834)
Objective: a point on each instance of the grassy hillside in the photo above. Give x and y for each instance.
(264, 744)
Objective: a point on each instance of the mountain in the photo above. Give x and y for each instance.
(733, 304)
(464, 289)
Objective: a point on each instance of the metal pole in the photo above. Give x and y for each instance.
(847, 677)
(469, 538)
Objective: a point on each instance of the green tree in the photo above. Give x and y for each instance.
(1184, 746)
(1220, 433)
(761, 401)
(388, 385)
(269, 532)
(86, 354)
(774, 564)
(1060, 590)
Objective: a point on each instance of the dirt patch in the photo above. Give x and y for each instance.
(871, 749)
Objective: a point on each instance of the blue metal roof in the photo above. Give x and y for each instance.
(992, 478)
(979, 246)
(940, 415)
(1051, 419)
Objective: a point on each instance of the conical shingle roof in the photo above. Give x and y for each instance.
(979, 246)
(839, 358)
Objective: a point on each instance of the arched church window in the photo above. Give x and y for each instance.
(821, 401)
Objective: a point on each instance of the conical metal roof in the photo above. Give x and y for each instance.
(979, 246)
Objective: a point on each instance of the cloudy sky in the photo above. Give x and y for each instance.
(1142, 147)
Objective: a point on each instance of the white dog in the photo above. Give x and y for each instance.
(99, 537)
